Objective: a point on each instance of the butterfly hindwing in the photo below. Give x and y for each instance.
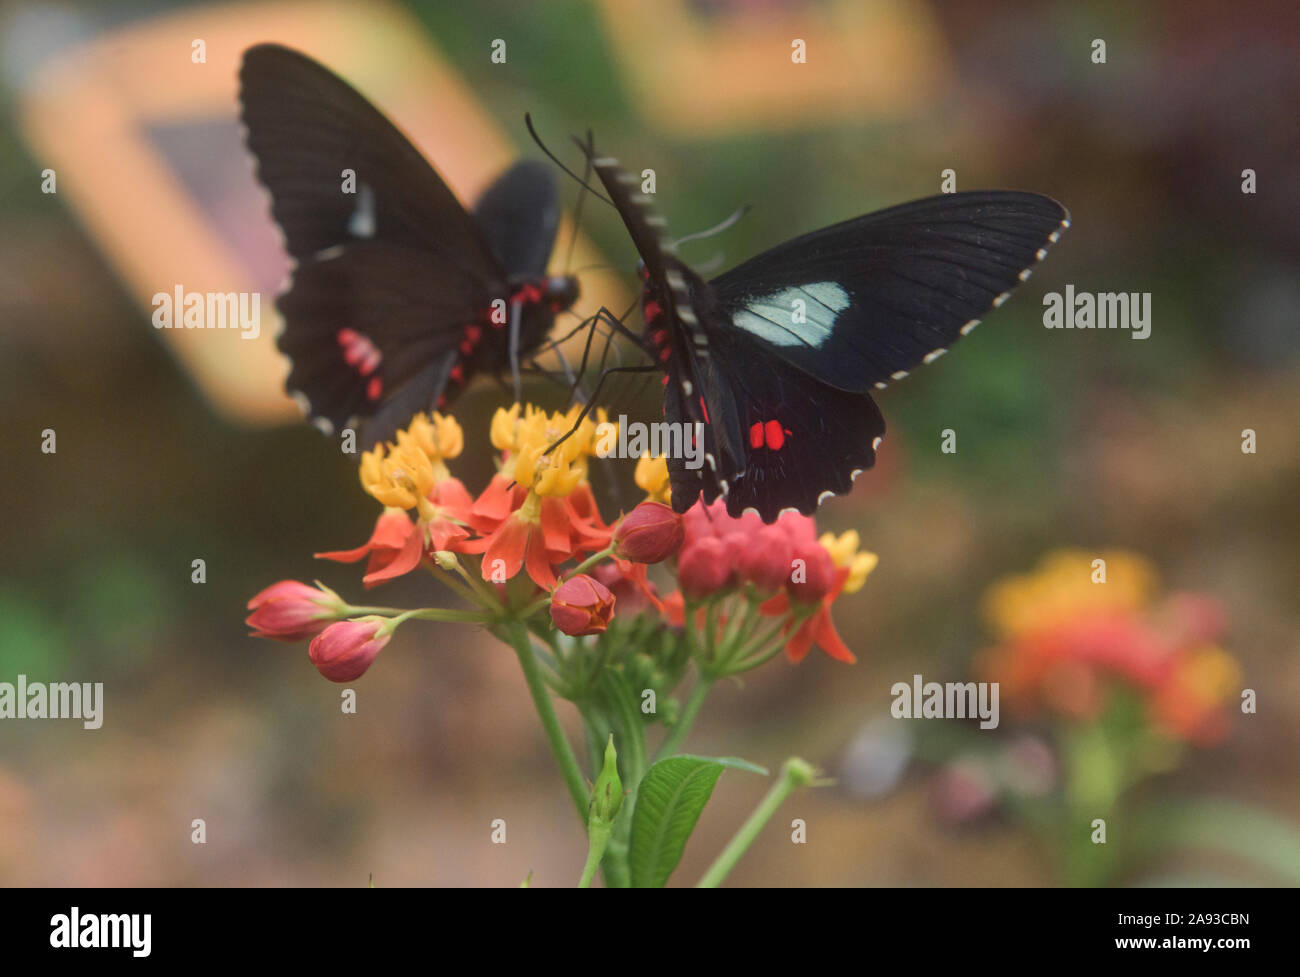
(774, 437)
(519, 214)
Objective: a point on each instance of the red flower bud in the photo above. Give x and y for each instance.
(292, 611)
(812, 573)
(633, 593)
(704, 568)
(582, 605)
(764, 558)
(345, 649)
(650, 533)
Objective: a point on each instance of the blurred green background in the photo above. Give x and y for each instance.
(1086, 439)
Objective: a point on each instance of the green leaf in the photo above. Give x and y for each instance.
(668, 803)
(731, 762)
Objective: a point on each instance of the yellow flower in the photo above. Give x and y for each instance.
(439, 437)
(545, 475)
(1063, 587)
(844, 553)
(400, 476)
(524, 432)
(652, 478)
(505, 423)
(1209, 675)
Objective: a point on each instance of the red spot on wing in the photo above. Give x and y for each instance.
(374, 388)
(358, 351)
(704, 409)
(457, 374)
(652, 310)
(767, 434)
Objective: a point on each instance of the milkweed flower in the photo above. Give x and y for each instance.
(840, 568)
(538, 510)
(1066, 643)
(786, 558)
(412, 473)
(292, 611)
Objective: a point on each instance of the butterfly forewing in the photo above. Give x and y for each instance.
(339, 171)
(868, 300)
(388, 309)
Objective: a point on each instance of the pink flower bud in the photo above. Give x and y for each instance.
(701, 521)
(704, 568)
(765, 558)
(292, 611)
(812, 573)
(650, 533)
(582, 605)
(798, 527)
(345, 649)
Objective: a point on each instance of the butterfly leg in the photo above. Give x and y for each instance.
(591, 401)
(615, 324)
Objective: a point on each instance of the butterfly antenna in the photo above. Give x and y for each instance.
(528, 121)
(731, 221)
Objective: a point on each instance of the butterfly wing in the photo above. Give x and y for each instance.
(308, 128)
(774, 360)
(390, 268)
(519, 214)
(865, 301)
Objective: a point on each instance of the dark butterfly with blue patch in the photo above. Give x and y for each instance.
(398, 295)
(775, 360)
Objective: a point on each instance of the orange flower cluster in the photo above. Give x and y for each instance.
(1066, 642)
(537, 512)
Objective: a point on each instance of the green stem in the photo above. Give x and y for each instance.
(448, 614)
(794, 773)
(682, 727)
(522, 643)
(597, 842)
(487, 594)
(356, 610)
(590, 562)
(454, 585)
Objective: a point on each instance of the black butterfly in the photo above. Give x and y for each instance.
(398, 295)
(775, 359)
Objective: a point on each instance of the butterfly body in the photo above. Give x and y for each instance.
(774, 361)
